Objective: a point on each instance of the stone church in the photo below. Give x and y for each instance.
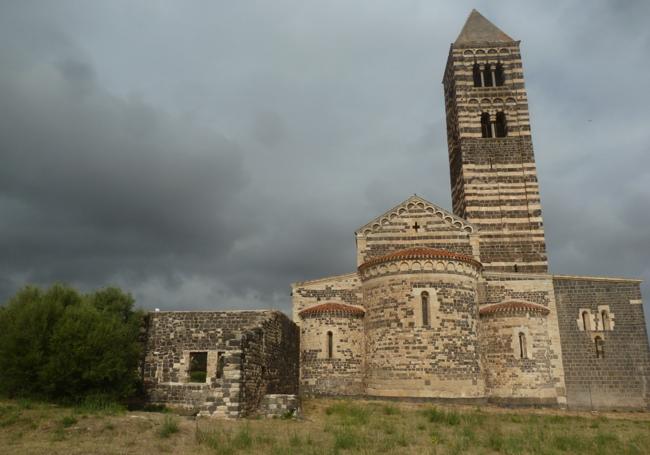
(442, 305)
(462, 305)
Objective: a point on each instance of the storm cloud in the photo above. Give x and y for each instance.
(207, 154)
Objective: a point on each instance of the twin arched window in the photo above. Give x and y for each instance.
(488, 76)
(496, 128)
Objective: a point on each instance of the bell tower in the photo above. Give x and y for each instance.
(491, 161)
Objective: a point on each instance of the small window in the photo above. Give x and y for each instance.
(586, 325)
(499, 75)
(330, 345)
(486, 126)
(600, 348)
(476, 73)
(221, 362)
(604, 315)
(425, 308)
(198, 366)
(522, 345)
(501, 127)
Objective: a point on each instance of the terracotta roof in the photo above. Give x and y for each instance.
(513, 306)
(420, 253)
(332, 308)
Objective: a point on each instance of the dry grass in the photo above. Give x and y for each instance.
(329, 427)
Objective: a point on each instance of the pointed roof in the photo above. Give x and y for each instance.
(453, 220)
(478, 29)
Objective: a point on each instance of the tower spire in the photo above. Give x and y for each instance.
(478, 29)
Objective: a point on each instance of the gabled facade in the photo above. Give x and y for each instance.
(461, 306)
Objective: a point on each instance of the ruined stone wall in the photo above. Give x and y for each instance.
(539, 378)
(620, 379)
(406, 357)
(344, 289)
(342, 374)
(172, 336)
(270, 361)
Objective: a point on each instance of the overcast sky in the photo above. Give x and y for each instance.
(206, 154)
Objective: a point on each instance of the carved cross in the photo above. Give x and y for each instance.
(416, 226)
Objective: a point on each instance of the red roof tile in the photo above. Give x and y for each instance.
(332, 308)
(513, 306)
(420, 253)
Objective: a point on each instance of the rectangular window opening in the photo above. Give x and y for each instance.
(198, 371)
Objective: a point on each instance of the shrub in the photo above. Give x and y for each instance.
(169, 427)
(61, 345)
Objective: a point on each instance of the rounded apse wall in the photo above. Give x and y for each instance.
(421, 324)
(331, 350)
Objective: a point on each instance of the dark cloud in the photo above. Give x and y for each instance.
(207, 155)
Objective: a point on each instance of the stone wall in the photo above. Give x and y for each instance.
(540, 378)
(344, 289)
(408, 356)
(342, 373)
(620, 379)
(232, 341)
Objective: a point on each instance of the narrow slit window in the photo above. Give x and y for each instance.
(476, 73)
(605, 318)
(501, 125)
(585, 321)
(486, 126)
(425, 308)
(198, 366)
(600, 348)
(522, 345)
(330, 345)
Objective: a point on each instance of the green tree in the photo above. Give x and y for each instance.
(64, 346)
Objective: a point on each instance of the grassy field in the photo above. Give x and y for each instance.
(327, 427)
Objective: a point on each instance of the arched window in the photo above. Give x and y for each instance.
(330, 345)
(487, 76)
(600, 347)
(499, 75)
(604, 315)
(425, 308)
(586, 325)
(501, 126)
(522, 345)
(476, 73)
(486, 126)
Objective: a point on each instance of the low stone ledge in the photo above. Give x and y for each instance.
(279, 405)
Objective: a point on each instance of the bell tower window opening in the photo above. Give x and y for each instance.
(522, 346)
(488, 76)
(330, 345)
(476, 73)
(486, 125)
(501, 126)
(424, 297)
(499, 75)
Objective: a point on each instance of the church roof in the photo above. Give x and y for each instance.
(332, 308)
(478, 29)
(453, 220)
(513, 306)
(420, 253)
